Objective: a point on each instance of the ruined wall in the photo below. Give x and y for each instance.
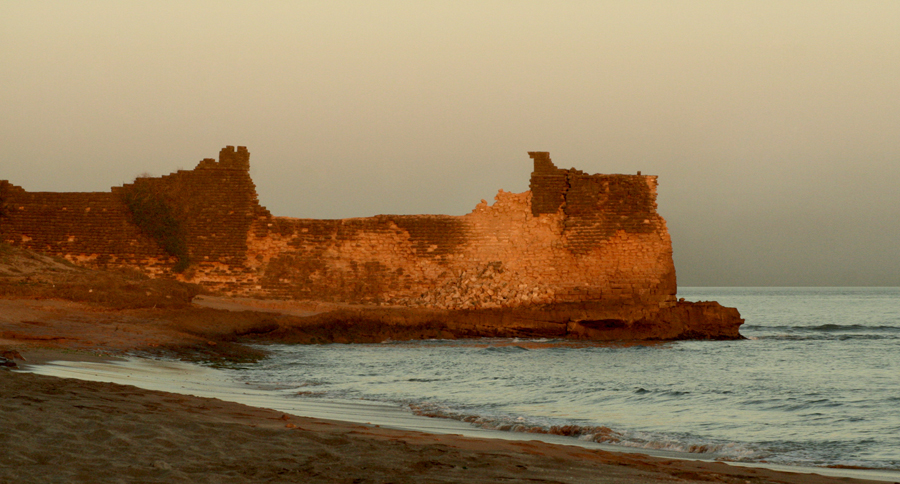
(89, 228)
(574, 237)
(215, 203)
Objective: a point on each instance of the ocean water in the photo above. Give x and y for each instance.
(816, 382)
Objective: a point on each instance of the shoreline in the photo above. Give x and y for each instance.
(659, 467)
(48, 330)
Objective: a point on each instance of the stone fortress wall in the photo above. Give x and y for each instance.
(216, 203)
(572, 238)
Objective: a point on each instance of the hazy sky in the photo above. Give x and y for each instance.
(774, 126)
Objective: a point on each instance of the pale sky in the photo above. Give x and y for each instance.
(774, 126)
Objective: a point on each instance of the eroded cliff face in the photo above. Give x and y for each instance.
(584, 254)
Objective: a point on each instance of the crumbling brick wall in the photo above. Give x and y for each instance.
(88, 228)
(574, 237)
(215, 203)
(502, 256)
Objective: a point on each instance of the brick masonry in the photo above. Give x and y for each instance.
(572, 238)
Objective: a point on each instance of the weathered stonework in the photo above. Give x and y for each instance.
(602, 240)
(573, 238)
(216, 203)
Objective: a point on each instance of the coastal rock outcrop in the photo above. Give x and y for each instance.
(578, 256)
(706, 320)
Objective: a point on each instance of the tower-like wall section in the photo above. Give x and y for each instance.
(572, 238)
(216, 204)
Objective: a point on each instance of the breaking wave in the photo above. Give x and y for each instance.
(728, 451)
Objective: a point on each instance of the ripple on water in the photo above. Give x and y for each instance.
(817, 383)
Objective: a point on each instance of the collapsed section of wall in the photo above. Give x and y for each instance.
(573, 237)
(498, 255)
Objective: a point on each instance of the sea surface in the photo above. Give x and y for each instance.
(816, 382)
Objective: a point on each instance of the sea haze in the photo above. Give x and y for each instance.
(817, 382)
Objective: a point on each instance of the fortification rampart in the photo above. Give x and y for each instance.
(572, 238)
